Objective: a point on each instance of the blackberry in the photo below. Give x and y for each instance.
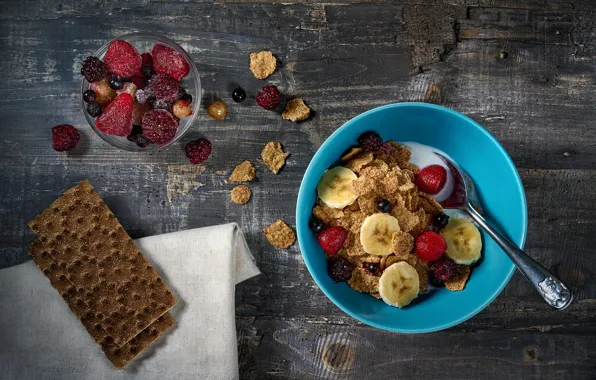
(93, 69)
(340, 269)
(198, 151)
(64, 137)
(443, 269)
(269, 97)
(94, 109)
(370, 141)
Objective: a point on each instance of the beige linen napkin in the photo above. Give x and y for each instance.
(41, 339)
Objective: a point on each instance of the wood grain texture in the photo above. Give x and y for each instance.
(524, 69)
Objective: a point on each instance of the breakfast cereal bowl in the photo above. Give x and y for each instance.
(144, 42)
(501, 195)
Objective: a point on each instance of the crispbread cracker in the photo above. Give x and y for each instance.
(103, 263)
(119, 356)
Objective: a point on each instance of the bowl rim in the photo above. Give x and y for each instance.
(197, 99)
(300, 222)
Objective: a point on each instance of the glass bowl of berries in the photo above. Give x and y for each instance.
(140, 92)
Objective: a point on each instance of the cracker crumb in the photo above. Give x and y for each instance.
(262, 64)
(244, 172)
(364, 282)
(279, 234)
(221, 172)
(240, 194)
(458, 282)
(274, 156)
(296, 110)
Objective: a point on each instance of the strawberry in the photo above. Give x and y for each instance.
(168, 61)
(122, 59)
(116, 118)
(431, 179)
(430, 246)
(332, 239)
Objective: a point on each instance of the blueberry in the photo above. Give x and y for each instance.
(89, 96)
(384, 205)
(316, 225)
(142, 141)
(440, 220)
(187, 97)
(436, 282)
(94, 109)
(116, 83)
(238, 95)
(147, 70)
(372, 267)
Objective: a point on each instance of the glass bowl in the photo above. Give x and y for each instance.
(144, 42)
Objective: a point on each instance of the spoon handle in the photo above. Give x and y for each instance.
(553, 290)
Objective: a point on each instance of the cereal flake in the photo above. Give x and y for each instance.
(296, 110)
(240, 194)
(458, 282)
(353, 152)
(403, 243)
(262, 64)
(364, 282)
(274, 156)
(279, 234)
(244, 172)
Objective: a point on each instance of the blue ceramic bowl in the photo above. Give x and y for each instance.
(499, 187)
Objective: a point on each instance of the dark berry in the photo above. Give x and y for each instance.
(93, 69)
(384, 205)
(187, 97)
(238, 94)
(443, 269)
(142, 141)
(387, 148)
(162, 105)
(372, 268)
(115, 82)
(147, 70)
(134, 132)
(89, 96)
(370, 141)
(436, 282)
(440, 220)
(198, 151)
(64, 137)
(94, 109)
(269, 97)
(315, 225)
(146, 59)
(339, 268)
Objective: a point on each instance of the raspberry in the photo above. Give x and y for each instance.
(332, 239)
(159, 126)
(339, 268)
(269, 97)
(64, 137)
(198, 151)
(93, 69)
(370, 141)
(162, 87)
(122, 59)
(443, 270)
(116, 118)
(168, 61)
(430, 246)
(431, 179)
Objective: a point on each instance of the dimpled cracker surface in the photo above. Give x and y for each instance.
(103, 263)
(119, 356)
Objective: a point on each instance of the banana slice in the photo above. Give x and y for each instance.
(399, 284)
(376, 234)
(335, 187)
(464, 244)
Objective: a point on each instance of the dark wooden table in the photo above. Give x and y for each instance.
(523, 69)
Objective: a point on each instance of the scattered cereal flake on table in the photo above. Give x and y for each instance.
(458, 282)
(364, 282)
(240, 194)
(403, 243)
(274, 156)
(262, 64)
(279, 234)
(353, 152)
(296, 110)
(244, 172)
(221, 172)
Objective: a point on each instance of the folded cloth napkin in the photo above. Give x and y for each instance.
(41, 339)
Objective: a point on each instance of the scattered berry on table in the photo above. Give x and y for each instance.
(93, 69)
(94, 109)
(122, 59)
(339, 268)
(198, 151)
(238, 94)
(384, 205)
(116, 118)
(115, 82)
(443, 270)
(187, 97)
(159, 126)
(269, 97)
(372, 268)
(440, 220)
(89, 96)
(315, 225)
(430, 246)
(370, 141)
(217, 110)
(139, 80)
(168, 61)
(146, 59)
(104, 94)
(431, 179)
(181, 109)
(64, 137)
(332, 239)
(162, 87)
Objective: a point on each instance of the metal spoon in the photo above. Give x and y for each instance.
(553, 290)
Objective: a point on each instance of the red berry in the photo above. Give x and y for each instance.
(163, 87)
(431, 179)
(370, 141)
(168, 61)
(122, 59)
(269, 97)
(139, 80)
(116, 118)
(159, 126)
(430, 246)
(198, 151)
(332, 239)
(443, 269)
(339, 268)
(146, 59)
(93, 69)
(64, 137)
